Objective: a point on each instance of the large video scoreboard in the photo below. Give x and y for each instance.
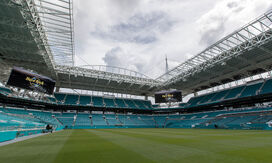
(28, 80)
(168, 96)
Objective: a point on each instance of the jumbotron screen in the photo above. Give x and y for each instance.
(168, 96)
(28, 80)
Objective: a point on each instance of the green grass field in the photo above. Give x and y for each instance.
(143, 145)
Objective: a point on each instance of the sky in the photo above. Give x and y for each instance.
(139, 34)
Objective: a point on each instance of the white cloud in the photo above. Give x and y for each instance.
(227, 16)
(138, 34)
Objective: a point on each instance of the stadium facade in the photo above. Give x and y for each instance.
(39, 36)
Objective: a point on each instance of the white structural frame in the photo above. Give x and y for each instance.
(51, 24)
(249, 36)
(132, 77)
(57, 21)
(34, 25)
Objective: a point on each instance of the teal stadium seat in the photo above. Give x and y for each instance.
(85, 100)
(60, 97)
(71, 99)
(98, 120)
(52, 99)
(234, 93)
(267, 87)
(195, 100)
(112, 120)
(251, 90)
(130, 103)
(148, 104)
(140, 104)
(120, 103)
(83, 121)
(109, 102)
(220, 95)
(67, 119)
(207, 98)
(97, 101)
(5, 91)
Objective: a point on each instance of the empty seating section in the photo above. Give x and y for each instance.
(66, 119)
(235, 92)
(140, 104)
(160, 121)
(109, 102)
(267, 87)
(194, 101)
(48, 118)
(16, 111)
(12, 127)
(21, 122)
(255, 118)
(262, 119)
(134, 119)
(251, 90)
(181, 104)
(9, 122)
(130, 104)
(52, 99)
(82, 121)
(71, 99)
(60, 97)
(148, 120)
(120, 103)
(126, 121)
(242, 120)
(186, 123)
(112, 120)
(33, 116)
(248, 90)
(221, 122)
(97, 101)
(207, 98)
(148, 104)
(227, 94)
(220, 95)
(85, 100)
(5, 91)
(98, 120)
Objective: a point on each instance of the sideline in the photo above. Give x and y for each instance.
(24, 138)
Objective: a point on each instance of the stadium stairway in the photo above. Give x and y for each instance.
(120, 103)
(82, 121)
(110, 103)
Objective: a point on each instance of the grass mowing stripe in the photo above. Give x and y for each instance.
(203, 132)
(218, 148)
(156, 151)
(143, 145)
(83, 146)
(42, 149)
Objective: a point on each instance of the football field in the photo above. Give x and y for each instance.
(143, 145)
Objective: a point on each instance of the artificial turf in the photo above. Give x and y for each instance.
(143, 145)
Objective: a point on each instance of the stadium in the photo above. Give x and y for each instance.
(126, 116)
